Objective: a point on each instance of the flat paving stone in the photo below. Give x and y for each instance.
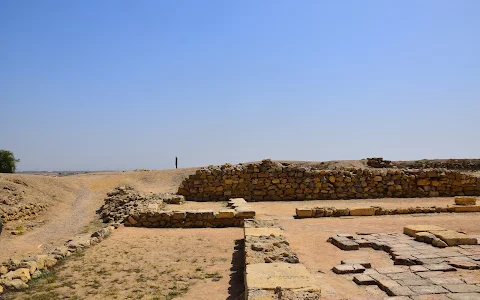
(462, 288)
(430, 274)
(428, 289)
(404, 276)
(348, 269)
(418, 269)
(446, 280)
(363, 262)
(391, 270)
(431, 297)
(399, 291)
(465, 265)
(399, 298)
(471, 280)
(364, 280)
(440, 267)
(464, 296)
(284, 275)
(412, 282)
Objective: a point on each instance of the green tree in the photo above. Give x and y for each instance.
(8, 163)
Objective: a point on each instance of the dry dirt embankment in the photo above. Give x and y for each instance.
(60, 208)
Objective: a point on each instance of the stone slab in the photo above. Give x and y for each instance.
(469, 208)
(266, 231)
(464, 296)
(462, 288)
(430, 297)
(225, 214)
(284, 275)
(453, 238)
(362, 279)
(304, 212)
(428, 289)
(362, 211)
(462, 200)
(358, 261)
(412, 229)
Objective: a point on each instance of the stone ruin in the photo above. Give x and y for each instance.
(270, 181)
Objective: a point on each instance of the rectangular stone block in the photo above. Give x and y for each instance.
(304, 212)
(362, 279)
(453, 238)
(461, 200)
(362, 211)
(225, 214)
(467, 208)
(266, 231)
(412, 229)
(284, 275)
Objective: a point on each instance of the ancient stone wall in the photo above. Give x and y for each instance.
(275, 181)
(230, 217)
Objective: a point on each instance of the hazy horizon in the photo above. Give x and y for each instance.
(120, 85)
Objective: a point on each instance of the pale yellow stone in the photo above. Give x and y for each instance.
(225, 214)
(304, 212)
(469, 208)
(284, 275)
(263, 231)
(453, 238)
(412, 229)
(465, 200)
(362, 211)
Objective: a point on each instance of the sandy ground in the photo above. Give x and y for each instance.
(308, 238)
(74, 201)
(140, 263)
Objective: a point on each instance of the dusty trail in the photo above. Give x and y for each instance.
(64, 222)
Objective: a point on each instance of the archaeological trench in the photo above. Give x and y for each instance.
(272, 268)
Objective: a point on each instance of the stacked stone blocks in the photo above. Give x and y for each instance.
(269, 181)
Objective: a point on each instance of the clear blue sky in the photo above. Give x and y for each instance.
(89, 85)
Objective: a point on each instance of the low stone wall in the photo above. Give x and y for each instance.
(16, 273)
(467, 164)
(231, 217)
(325, 212)
(272, 269)
(269, 180)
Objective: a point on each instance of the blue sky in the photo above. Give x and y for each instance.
(95, 85)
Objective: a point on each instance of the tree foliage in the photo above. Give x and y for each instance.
(8, 162)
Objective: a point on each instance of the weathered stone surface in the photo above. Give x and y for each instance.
(362, 279)
(464, 296)
(15, 284)
(453, 238)
(418, 269)
(284, 275)
(462, 288)
(357, 261)
(225, 214)
(399, 291)
(430, 297)
(30, 265)
(471, 208)
(391, 270)
(462, 200)
(440, 267)
(21, 273)
(446, 280)
(263, 231)
(348, 269)
(362, 211)
(411, 230)
(304, 212)
(465, 265)
(428, 289)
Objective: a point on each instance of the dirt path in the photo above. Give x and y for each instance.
(142, 263)
(63, 222)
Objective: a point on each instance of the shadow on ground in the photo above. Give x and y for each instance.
(237, 285)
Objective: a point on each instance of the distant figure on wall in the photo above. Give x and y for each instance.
(176, 162)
